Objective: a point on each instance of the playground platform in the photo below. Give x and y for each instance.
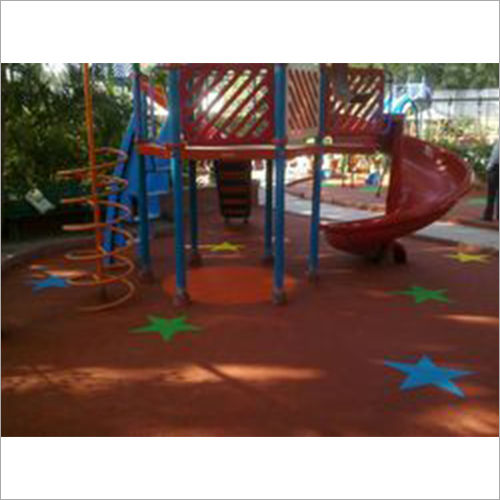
(318, 367)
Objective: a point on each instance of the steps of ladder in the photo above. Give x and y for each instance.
(234, 188)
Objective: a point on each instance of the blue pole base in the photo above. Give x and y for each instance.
(279, 297)
(195, 259)
(181, 298)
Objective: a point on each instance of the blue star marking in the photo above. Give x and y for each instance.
(425, 372)
(50, 282)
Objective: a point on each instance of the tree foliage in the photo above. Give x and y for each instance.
(43, 124)
(447, 76)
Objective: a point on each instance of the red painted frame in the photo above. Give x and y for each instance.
(303, 101)
(350, 118)
(223, 82)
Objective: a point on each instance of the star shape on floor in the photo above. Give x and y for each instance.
(469, 257)
(225, 246)
(426, 372)
(49, 282)
(421, 294)
(167, 328)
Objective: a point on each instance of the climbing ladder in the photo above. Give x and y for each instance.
(234, 188)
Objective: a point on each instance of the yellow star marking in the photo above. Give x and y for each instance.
(224, 247)
(469, 257)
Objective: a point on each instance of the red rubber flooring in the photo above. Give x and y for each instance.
(314, 367)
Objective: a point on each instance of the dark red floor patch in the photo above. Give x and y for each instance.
(315, 367)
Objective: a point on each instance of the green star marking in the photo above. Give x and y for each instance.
(167, 328)
(421, 294)
(224, 247)
(469, 257)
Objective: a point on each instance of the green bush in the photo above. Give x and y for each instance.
(463, 138)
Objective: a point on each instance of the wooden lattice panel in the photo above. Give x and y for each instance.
(303, 101)
(227, 104)
(355, 102)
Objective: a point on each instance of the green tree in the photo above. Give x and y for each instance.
(447, 76)
(43, 123)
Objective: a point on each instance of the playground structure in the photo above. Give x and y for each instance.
(235, 113)
(410, 99)
(404, 97)
(157, 171)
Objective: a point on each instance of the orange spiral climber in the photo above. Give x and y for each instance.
(111, 266)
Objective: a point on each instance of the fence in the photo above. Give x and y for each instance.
(479, 108)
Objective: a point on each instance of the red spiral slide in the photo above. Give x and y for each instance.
(426, 181)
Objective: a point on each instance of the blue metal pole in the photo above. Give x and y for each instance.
(181, 297)
(280, 165)
(195, 257)
(268, 230)
(316, 196)
(144, 117)
(152, 108)
(142, 201)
